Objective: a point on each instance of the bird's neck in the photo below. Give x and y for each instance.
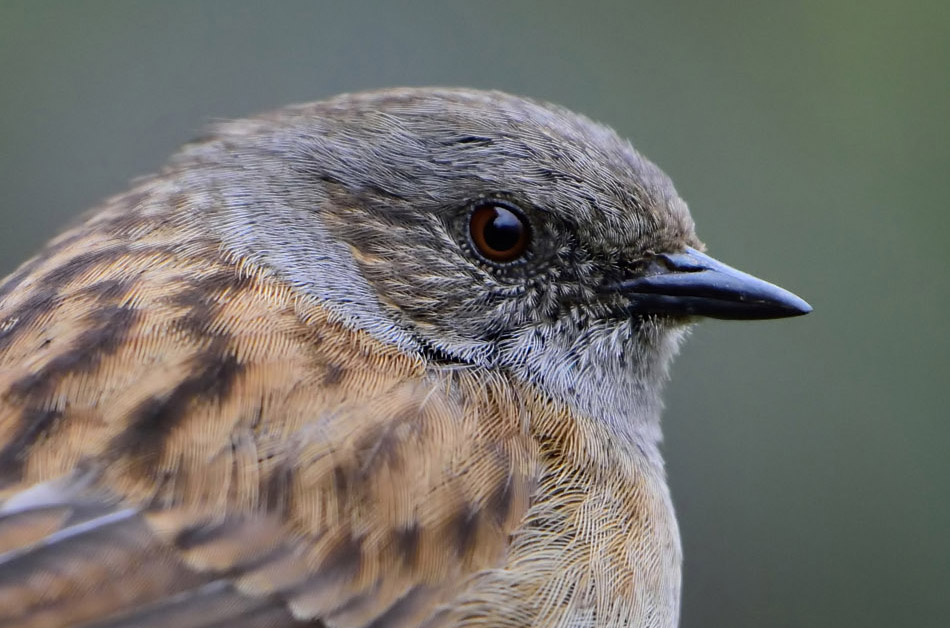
(613, 377)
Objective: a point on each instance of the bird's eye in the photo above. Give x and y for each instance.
(500, 233)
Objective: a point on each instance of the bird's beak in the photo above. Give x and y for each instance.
(691, 283)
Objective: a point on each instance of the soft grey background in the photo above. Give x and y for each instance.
(809, 457)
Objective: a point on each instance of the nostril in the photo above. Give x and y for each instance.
(680, 263)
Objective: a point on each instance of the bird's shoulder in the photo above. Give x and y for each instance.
(162, 404)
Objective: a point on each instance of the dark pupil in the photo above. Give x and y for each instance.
(503, 231)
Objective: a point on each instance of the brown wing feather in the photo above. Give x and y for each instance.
(186, 442)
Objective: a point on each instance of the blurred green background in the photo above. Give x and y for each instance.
(809, 457)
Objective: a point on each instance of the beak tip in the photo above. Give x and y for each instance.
(795, 310)
(778, 303)
(794, 305)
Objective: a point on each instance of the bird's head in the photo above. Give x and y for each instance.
(484, 229)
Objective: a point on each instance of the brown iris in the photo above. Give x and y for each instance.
(499, 233)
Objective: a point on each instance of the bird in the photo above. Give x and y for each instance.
(390, 359)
